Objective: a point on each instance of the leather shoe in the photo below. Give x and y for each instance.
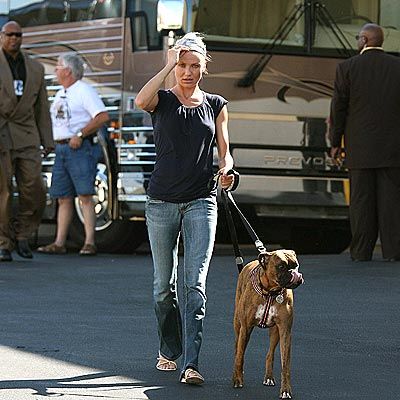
(5, 255)
(23, 249)
(360, 259)
(394, 259)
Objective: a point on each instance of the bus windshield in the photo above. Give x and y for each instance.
(35, 13)
(317, 27)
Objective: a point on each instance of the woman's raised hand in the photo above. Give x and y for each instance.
(174, 53)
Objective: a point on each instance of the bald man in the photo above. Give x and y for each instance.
(366, 112)
(25, 125)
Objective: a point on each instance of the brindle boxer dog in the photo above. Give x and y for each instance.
(264, 297)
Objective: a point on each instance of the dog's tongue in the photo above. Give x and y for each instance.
(297, 277)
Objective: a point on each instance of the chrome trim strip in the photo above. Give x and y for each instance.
(91, 51)
(136, 146)
(138, 128)
(102, 96)
(107, 84)
(126, 163)
(262, 117)
(81, 28)
(61, 43)
(296, 177)
(100, 73)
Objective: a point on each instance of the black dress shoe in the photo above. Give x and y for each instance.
(23, 249)
(360, 259)
(5, 255)
(394, 259)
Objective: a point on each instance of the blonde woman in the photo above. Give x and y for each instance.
(187, 123)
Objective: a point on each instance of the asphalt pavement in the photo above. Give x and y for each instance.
(84, 328)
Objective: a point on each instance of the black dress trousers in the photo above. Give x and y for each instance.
(375, 202)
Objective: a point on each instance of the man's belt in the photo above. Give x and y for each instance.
(62, 141)
(66, 141)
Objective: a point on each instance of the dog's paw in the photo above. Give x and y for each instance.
(269, 382)
(285, 395)
(237, 383)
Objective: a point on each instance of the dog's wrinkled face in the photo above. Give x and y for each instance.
(282, 268)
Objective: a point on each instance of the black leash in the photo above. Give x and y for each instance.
(227, 195)
(226, 198)
(232, 231)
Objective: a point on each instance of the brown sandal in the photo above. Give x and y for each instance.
(52, 248)
(88, 250)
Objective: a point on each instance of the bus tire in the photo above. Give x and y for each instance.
(116, 237)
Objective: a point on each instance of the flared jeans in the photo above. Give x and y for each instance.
(181, 330)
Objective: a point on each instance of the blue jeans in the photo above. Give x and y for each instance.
(181, 333)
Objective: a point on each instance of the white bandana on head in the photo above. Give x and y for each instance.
(194, 42)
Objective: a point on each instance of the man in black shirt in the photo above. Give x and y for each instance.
(17, 67)
(25, 125)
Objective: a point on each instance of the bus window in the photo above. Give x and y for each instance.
(3, 12)
(86, 10)
(250, 23)
(143, 14)
(104, 9)
(325, 27)
(350, 16)
(33, 13)
(390, 14)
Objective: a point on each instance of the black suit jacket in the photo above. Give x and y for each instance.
(366, 110)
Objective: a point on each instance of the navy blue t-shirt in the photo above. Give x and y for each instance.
(184, 138)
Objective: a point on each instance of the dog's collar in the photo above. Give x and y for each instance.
(259, 288)
(268, 295)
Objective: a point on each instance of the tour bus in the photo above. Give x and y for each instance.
(273, 60)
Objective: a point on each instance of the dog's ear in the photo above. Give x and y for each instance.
(293, 253)
(293, 257)
(263, 259)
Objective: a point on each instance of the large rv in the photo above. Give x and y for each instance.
(274, 60)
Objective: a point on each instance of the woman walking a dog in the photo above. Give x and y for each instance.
(187, 123)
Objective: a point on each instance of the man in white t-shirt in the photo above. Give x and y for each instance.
(77, 113)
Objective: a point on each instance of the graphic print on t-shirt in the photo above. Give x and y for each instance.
(61, 113)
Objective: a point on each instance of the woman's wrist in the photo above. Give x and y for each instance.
(168, 68)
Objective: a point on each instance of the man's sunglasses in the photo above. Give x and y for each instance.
(359, 36)
(10, 34)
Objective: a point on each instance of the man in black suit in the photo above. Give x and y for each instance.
(366, 111)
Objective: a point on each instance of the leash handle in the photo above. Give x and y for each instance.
(235, 182)
(213, 182)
